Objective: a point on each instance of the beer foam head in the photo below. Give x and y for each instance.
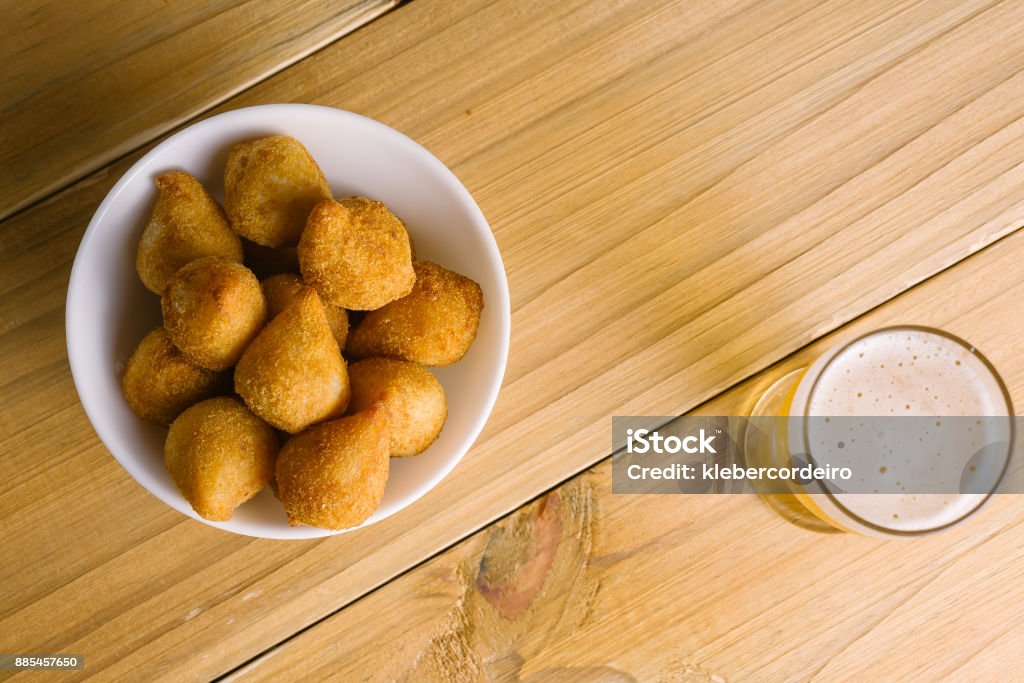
(914, 373)
(907, 372)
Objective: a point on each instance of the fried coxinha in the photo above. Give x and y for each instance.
(282, 340)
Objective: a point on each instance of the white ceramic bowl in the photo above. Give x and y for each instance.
(109, 310)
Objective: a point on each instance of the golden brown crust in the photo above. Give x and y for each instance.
(186, 224)
(333, 475)
(270, 186)
(414, 398)
(356, 254)
(292, 374)
(212, 309)
(279, 291)
(159, 382)
(219, 455)
(434, 325)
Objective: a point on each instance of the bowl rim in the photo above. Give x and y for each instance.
(502, 307)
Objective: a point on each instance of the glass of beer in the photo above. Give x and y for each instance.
(885, 395)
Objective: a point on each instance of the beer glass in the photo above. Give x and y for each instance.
(902, 376)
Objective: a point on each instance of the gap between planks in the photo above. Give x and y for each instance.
(238, 672)
(352, 19)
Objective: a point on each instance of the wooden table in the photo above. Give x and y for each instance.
(691, 198)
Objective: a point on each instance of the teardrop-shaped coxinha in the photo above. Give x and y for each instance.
(434, 325)
(356, 253)
(212, 309)
(270, 186)
(160, 382)
(333, 475)
(186, 224)
(292, 374)
(219, 455)
(414, 398)
(281, 289)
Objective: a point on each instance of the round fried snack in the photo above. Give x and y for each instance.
(434, 325)
(332, 476)
(186, 224)
(270, 186)
(159, 382)
(219, 456)
(414, 398)
(280, 289)
(292, 374)
(356, 253)
(212, 310)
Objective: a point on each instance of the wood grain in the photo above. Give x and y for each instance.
(584, 585)
(86, 82)
(684, 194)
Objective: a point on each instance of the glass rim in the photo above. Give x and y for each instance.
(838, 351)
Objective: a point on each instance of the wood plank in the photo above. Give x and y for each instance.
(683, 194)
(86, 82)
(584, 585)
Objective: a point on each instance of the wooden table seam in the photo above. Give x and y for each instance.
(587, 471)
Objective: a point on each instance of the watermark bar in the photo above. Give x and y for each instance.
(28, 662)
(900, 455)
